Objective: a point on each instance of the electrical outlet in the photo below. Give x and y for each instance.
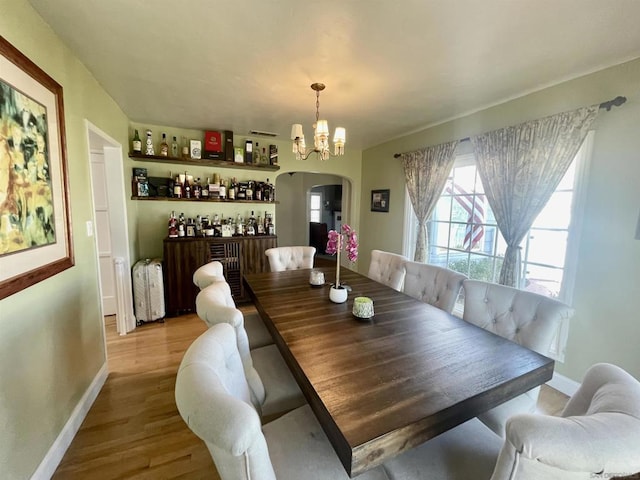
(89, 228)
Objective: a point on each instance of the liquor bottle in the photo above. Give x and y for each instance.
(173, 225)
(181, 226)
(191, 227)
(271, 228)
(205, 189)
(149, 146)
(137, 143)
(174, 147)
(199, 230)
(266, 191)
(256, 154)
(185, 148)
(257, 193)
(259, 226)
(164, 146)
(222, 193)
(251, 225)
(178, 190)
(248, 151)
(187, 186)
(264, 158)
(231, 193)
(196, 189)
(239, 226)
(249, 191)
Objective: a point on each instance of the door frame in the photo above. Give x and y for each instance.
(99, 141)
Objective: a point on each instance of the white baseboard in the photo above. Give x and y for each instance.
(563, 384)
(52, 459)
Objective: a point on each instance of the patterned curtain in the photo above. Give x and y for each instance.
(426, 172)
(520, 168)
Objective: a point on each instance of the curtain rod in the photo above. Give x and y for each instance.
(616, 102)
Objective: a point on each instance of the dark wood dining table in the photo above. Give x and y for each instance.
(381, 386)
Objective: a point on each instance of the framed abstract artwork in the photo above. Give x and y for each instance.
(35, 223)
(379, 200)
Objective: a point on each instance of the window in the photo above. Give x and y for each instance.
(315, 202)
(463, 234)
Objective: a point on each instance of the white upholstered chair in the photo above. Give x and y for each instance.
(596, 436)
(257, 331)
(387, 268)
(208, 273)
(273, 385)
(290, 258)
(215, 401)
(526, 318)
(431, 284)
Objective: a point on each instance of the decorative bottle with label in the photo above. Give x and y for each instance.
(205, 189)
(248, 151)
(174, 147)
(149, 145)
(182, 227)
(185, 148)
(173, 226)
(164, 146)
(137, 143)
(187, 186)
(178, 188)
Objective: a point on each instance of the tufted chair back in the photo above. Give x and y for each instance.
(431, 284)
(387, 268)
(290, 258)
(214, 306)
(214, 400)
(526, 318)
(207, 274)
(597, 435)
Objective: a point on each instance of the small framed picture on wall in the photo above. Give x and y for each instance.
(379, 200)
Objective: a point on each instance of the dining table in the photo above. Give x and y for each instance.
(383, 385)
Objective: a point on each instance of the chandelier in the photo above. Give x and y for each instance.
(320, 135)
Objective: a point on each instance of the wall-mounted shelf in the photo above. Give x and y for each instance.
(203, 200)
(202, 162)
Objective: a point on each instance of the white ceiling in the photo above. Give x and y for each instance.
(389, 67)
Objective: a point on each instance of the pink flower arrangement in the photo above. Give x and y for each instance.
(347, 240)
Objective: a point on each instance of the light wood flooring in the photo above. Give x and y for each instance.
(134, 430)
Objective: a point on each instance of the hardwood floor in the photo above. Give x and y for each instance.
(134, 430)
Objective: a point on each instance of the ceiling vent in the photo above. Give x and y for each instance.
(263, 134)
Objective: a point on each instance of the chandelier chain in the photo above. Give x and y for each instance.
(317, 105)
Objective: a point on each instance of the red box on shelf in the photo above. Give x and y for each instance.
(213, 142)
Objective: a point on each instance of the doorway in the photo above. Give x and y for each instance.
(290, 187)
(110, 227)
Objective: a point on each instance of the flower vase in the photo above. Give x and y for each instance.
(338, 294)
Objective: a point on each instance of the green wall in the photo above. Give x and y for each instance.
(606, 326)
(51, 334)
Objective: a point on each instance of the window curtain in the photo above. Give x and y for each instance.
(426, 172)
(520, 167)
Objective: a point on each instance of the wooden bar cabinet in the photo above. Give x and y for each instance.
(238, 255)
